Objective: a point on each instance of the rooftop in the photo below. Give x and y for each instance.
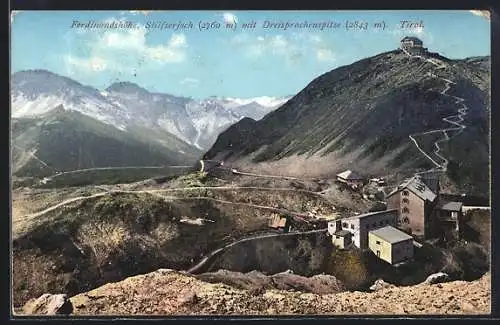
(350, 175)
(391, 234)
(278, 222)
(371, 214)
(450, 206)
(411, 38)
(343, 233)
(417, 185)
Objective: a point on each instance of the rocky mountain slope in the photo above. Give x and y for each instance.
(125, 105)
(360, 117)
(73, 240)
(167, 292)
(63, 140)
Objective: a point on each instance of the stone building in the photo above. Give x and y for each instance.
(415, 200)
(413, 45)
(423, 212)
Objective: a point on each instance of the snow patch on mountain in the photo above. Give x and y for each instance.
(125, 104)
(265, 101)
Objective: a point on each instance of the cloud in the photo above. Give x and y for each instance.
(277, 45)
(229, 18)
(483, 13)
(192, 82)
(419, 30)
(177, 40)
(92, 64)
(326, 55)
(292, 47)
(125, 50)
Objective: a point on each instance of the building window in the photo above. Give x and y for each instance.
(406, 220)
(405, 200)
(352, 226)
(345, 225)
(378, 242)
(405, 210)
(406, 193)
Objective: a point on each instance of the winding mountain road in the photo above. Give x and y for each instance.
(237, 172)
(216, 253)
(455, 120)
(113, 168)
(32, 154)
(250, 205)
(154, 192)
(218, 164)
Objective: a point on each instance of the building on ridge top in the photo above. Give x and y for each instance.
(413, 45)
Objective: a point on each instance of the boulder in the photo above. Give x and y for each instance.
(381, 284)
(49, 304)
(439, 277)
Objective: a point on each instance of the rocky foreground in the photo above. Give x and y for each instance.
(168, 292)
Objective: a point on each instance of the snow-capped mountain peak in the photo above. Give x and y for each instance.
(126, 104)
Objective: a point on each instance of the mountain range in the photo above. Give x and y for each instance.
(361, 116)
(125, 104)
(59, 122)
(390, 113)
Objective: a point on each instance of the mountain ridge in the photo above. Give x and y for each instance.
(358, 115)
(125, 104)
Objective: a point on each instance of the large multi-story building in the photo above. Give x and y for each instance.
(423, 212)
(415, 200)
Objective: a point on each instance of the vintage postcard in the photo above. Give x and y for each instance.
(258, 163)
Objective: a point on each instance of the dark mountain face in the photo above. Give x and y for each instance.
(68, 140)
(370, 108)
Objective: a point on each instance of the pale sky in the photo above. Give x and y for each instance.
(226, 62)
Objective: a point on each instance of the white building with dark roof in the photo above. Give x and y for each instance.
(360, 225)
